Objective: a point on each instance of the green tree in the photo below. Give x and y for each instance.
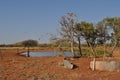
(114, 24)
(103, 35)
(89, 34)
(29, 43)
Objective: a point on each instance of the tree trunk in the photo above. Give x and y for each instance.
(94, 55)
(72, 43)
(72, 49)
(104, 51)
(92, 49)
(28, 52)
(80, 50)
(88, 44)
(93, 68)
(114, 47)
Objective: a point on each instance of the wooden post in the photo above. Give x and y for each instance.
(17, 50)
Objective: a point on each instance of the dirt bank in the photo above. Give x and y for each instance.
(15, 67)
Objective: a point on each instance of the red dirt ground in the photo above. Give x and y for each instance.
(15, 67)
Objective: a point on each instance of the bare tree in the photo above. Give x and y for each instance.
(67, 30)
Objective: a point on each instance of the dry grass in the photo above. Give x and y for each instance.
(14, 67)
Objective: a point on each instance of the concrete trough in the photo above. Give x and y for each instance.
(105, 65)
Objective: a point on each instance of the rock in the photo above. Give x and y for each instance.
(67, 64)
(33, 78)
(60, 64)
(109, 55)
(1, 69)
(2, 78)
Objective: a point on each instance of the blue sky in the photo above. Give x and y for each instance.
(33, 19)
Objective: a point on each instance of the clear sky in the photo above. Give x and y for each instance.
(34, 19)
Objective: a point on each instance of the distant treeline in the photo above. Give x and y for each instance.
(55, 44)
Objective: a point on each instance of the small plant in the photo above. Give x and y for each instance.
(47, 76)
(60, 55)
(1, 55)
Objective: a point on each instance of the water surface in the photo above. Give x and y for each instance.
(46, 54)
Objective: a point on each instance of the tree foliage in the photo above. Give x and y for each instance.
(30, 43)
(107, 31)
(114, 24)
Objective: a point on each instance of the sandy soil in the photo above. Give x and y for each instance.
(15, 67)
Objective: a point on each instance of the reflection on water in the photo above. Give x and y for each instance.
(46, 54)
